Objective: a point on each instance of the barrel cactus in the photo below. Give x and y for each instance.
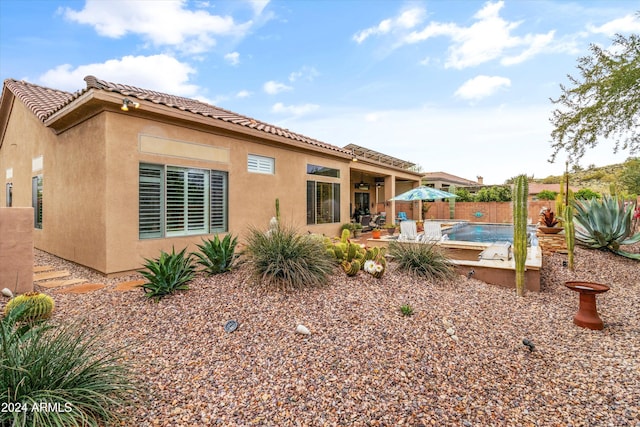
(520, 214)
(39, 306)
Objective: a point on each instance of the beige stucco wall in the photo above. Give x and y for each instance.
(90, 181)
(16, 249)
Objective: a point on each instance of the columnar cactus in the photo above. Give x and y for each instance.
(569, 234)
(520, 214)
(39, 306)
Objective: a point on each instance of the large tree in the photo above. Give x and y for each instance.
(603, 103)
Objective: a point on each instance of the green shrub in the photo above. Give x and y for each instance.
(167, 274)
(65, 369)
(284, 259)
(425, 260)
(217, 256)
(547, 195)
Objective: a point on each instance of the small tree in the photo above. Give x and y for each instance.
(547, 195)
(605, 104)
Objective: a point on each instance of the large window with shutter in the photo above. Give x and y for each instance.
(176, 201)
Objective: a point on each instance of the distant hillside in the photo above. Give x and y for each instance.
(597, 179)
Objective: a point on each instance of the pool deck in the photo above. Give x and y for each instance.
(496, 272)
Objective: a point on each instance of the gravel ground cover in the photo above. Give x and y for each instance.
(365, 364)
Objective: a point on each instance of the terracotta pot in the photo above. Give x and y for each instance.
(391, 231)
(550, 230)
(375, 234)
(587, 316)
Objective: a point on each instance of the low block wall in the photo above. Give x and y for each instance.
(16, 249)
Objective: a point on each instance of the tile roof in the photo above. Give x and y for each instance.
(443, 176)
(44, 102)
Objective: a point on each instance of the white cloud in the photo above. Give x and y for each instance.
(272, 87)
(481, 87)
(140, 71)
(243, 94)
(162, 23)
(489, 38)
(296, 110)
(305, 73)
(405, 20)
(626, 24)
(232, 58)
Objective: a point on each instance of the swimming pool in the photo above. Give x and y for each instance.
(486, 233)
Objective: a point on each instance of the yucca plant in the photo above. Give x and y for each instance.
(59, 375)
(167, 274)
(284, 259)
(425, 260)
(605, 223)
(217, 256)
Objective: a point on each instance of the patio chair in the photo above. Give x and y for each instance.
(408, 231)
(432, 232)
(365, 221)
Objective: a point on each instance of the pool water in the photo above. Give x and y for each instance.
(486, 233)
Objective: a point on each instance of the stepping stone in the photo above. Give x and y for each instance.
(81, 289)
(129, 286)
(60, 283)
(50, 275)
(41, 268)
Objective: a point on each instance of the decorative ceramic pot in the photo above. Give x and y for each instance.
(550, 230)
(375, 234)
(587, 316)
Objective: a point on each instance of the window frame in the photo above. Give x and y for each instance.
(314, 200)
(161, 214)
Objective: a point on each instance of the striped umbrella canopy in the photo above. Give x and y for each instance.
(423, 193)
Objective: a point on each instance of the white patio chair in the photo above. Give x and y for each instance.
(408, 231)
(432, 232)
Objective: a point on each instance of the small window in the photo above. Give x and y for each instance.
(9, 194)
(36, 200)
(323, 171)
(260, 164)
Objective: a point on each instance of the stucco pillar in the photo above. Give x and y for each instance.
(389, 192)
(16, 249)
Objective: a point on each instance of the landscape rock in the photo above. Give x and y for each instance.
(7, 293)
(302, 330)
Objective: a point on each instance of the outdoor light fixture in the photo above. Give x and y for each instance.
(127, 102)
(353, 156)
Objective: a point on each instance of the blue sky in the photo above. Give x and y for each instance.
(456, 86)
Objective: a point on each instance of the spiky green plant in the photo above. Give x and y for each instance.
(217, 256)
(167, 274)
(606, 224)
(569, 235)
(39, 306)
(520, 196)
(406, 310)
(285, 259)
(424, 260)
(66, 368)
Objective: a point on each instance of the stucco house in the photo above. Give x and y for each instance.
(444, 181)
(116, 173)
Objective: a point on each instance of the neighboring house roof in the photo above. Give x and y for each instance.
(537, 188)
(44, 102)
(447, 177)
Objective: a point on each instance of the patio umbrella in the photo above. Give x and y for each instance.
(423, 193)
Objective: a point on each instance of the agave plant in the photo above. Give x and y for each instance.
(217, 256)
(167, 274)
(605, 223)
